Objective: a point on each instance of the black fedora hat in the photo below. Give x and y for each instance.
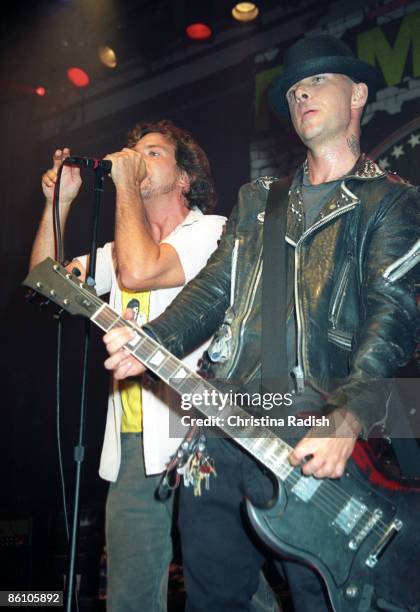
(316, 54)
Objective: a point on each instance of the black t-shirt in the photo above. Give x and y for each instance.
(313, 198)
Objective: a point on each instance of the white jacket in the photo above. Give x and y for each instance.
(194, 240)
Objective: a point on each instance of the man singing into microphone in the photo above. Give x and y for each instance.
(162, 239)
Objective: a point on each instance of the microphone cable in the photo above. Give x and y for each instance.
(59, 256)
(58, 239)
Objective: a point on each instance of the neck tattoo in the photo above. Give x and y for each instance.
(353, 145)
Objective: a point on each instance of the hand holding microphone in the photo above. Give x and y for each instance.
(70, 179)
(128, 168)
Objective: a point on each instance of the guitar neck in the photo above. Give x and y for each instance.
(258, 441)
(54, 282)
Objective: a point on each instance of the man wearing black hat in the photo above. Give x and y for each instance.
(347, 291)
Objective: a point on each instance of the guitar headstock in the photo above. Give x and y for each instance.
(57, 284)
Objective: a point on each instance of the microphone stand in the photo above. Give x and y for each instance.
(79, 450)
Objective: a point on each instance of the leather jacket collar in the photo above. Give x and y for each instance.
(341, 198)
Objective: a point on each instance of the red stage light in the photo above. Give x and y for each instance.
(40, 91)
(78, 77)
(199, 31)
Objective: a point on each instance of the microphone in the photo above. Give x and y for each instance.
(90, 162)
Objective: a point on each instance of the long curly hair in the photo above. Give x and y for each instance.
(189, 157)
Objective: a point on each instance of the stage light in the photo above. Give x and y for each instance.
(40, 91)
(198, 31)
(107, 56)
(245, 11)
(78, 77)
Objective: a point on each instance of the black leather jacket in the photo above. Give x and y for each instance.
(355, 275)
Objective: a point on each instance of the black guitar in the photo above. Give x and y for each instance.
(360, 532)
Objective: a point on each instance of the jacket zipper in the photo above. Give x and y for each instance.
(299, 369)
(233, 271)
(403, 264)
(339, 296)
(249, 301)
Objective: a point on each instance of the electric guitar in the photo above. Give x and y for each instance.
(360, 532)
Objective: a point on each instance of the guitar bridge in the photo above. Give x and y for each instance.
(389, 535)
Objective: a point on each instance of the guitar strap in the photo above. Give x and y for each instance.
(274, 289)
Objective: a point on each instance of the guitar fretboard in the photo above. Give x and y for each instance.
(261, 442)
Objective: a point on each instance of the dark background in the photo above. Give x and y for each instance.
(214, 98)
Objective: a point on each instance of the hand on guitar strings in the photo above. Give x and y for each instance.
(324, 452)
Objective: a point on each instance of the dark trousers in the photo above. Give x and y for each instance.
(221, 555)
(138, 536)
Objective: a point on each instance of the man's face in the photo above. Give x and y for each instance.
(320, 107)
(163, 174)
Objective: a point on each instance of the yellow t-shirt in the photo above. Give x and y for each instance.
(130, 390)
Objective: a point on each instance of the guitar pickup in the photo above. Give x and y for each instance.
(389, 535)
(350, 515)
(355, 542)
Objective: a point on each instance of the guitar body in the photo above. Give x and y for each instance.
(309, 531)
